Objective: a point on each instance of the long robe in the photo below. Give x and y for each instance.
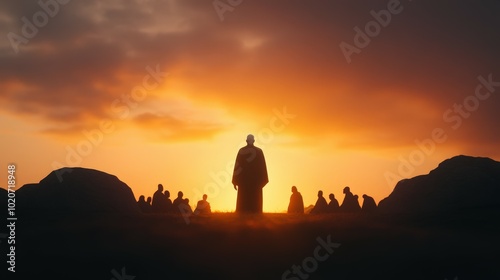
(350, 203)
(250, 175)
(320, 207)
(333, 206)
(296, 205)
(158, 202)
(369, 204)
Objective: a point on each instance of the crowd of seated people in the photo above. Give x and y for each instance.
(349, 205)
(161, 203)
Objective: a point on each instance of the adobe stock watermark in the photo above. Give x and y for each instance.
(30, 28)
(454, 117)
(310, 264)
(223, 6)
(121, 107)
(11, 219)
(222, 179)
(122, 276)
(362, 37)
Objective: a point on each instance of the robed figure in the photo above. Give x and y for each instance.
(249, 177)
(296, 205)
(350, 203)
(321, 206)
(369, 204)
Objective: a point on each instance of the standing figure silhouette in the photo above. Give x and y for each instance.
(249, 177)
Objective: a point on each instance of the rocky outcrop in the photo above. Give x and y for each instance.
(77, 191)
(460, 183)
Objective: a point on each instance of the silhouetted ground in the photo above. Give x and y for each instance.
(428, 231)
(228, 246)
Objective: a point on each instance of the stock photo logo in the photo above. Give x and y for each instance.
(233, 139)
(32, 25)
(310, 264)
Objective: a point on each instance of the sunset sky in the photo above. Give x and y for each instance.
(166, 91)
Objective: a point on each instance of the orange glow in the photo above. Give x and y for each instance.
(99, 97)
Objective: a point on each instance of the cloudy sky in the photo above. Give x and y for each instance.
(337, 93)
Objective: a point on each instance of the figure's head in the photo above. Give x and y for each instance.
(186, 200)
(149, 200)
(205, 197)
(167, 193)
(365, 196)
(294, 189)
(250, 139)
(331, 196)
(180, 194)
(356, 196)
(347, 189)
(141, 198)
(160, 187)
(320, 193)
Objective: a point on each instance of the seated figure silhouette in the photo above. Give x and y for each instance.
(333, 206)
(296, 205)
(350, 203)
(143, 205)
(186, 208)
(148, 200)
(369, 204)
(158, 200)
(167, 203)
(203, 207)
(321, 206)
(357, 205)
(249, 177)
(178, 202)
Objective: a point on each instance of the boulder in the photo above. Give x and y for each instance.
(461, 183)
(77, 191)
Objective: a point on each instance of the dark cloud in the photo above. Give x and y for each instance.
(264, 54)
